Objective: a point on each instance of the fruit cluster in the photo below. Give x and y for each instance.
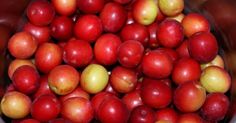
(115, 61)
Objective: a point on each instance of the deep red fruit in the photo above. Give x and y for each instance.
(156, 64)
(153, 41)
(122, 1)
(203, 46)
(43, 87)
(130, 53)
(45, 108)
(26, 79)
(62, 28)
(136, 32)
(132, 99)
(77, 53)
(156, 94)
(170, 33)
(40, 12)
(142, 114)
(167, 114)
(170, 52)
(90, 6)
(88, 28)
(106, 47)
(113, 17)
(182, 49)
(190, 118)
(185, 70)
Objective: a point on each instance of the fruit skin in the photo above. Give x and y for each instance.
(15, 105)
(189, 96)
(94, 78)
(215, 107)
(215, 79)
(132, 99)
(113, 17)
(156, 64)
(171, 7)
(190, 118)
(90, 6)
(88, 28)
(193, 23)
(217, 61)
(170, 33)
(142, 114)
(203, 46)
(64, 7)
(22, 45)
(167, 114)
(145, 11)
(63, 79)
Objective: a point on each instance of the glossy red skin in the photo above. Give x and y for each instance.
(110, 89)
(203, 47)
(63, 79)
(43, 87)
(62, 28)
(193, 23)
(122, 1)
(142, 114)
(88, 28)
(190, 118)
(156, 94)
(40, 12)
(171, 52)
(123, 80)
(45, 108)
(165, 81)
(41, 33)
(189, 96)
(113, 17)
(106, 47)
(152, 29)
(113, 110)
(215, 107)
(64, 7)
(167, 114)
(130, 18)
(48, 56)
(22, 45)
(90, 6)
(77, 53)
(130, 53)
(156, 64)
(132, 99)
(185, 70)
(25, 79)
(78, 110)
(182, 49)
(98, 99)
(135, 31)
(170, 33)
(29, 120)
(78, 92)
(160, 16)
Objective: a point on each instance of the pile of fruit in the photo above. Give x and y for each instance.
(115, 61)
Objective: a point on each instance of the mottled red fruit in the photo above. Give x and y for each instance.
(43, 87)
(40, 12)
(64, 7)
(62, 28)
(136, 32)
(170, 33)
(203, 46)
(189, 96)
(185, 70)
(26, 79)
(142, 114)
(77, 110)
(41, 33)
(193, 23)
(48, 56)
(167, 114)
(88, 28)
(156, 64)
(132, 99)
(215, 107)
(123, 80)
(45, 108)
(106, 48)
(156, 94)
(182, 49)
(130, 53)
(77, 53)
(90, 6)
(22, 45)
(113, 17)
(113, 110)
(190, 118)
